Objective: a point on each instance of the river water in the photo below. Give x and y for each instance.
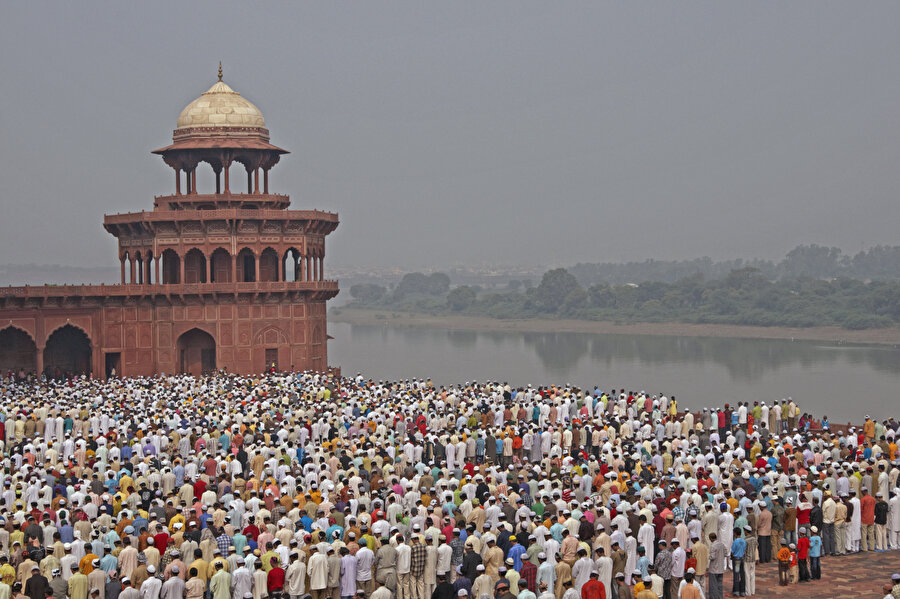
(845, 382)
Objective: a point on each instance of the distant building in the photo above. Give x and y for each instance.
(231, 279)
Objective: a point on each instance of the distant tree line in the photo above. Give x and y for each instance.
(816, 261)
(744, 296)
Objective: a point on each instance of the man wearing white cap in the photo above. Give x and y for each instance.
(151, 587)
(58, 586)
(894, 520)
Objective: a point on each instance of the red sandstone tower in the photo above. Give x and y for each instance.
(231, 279)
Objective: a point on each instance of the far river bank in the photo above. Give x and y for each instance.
(888, 336)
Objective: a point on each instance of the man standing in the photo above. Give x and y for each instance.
(764, 533)
(881, 519)
(404, 559)
(604, 566)
(417, 559)
(751, 555)
(815, 554)
(803, 556)
(867, 519)
(663, 565)
(828, 515)
(840, 527)
(58, 586)
(738, 549)
(678, 557)
(700, 553)
(220, 583)
(37, 587)
(717, 555)
(349, 574)
(894, 519)
(318, 573)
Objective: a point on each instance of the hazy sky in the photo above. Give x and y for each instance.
(471, 132)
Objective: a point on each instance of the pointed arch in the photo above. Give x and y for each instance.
(18, 351)
(68, 351)
(196, 351)
(268, 265)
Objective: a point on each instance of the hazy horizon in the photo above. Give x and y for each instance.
(507, 133)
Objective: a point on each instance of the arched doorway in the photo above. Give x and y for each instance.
(68, 352)
(220, 266)
(194, 267)
(292, 261)
(171, 267)
(246, 266)
(268, 265)
(17, 351)
(196, 352)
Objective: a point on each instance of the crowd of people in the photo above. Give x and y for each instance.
(308, 485)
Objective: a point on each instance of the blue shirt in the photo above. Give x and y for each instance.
(642, 564)
(738, 548)
(516, 553)
(815, 546)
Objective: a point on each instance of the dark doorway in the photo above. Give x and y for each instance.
(18, 353)
(171, 267)
(196, 352)
(271, 359)
(246, 266)
(68, 352)
(113, 364)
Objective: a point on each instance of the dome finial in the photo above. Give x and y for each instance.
(220, 70)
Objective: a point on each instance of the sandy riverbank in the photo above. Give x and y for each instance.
(889, 336)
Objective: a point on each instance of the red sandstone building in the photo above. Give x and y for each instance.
(231, 279)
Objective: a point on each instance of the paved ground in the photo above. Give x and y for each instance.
(849, 577)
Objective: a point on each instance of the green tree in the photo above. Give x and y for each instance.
(574, 301)
(438, 283)
(555, 286)
(367, 292)
(460, 298)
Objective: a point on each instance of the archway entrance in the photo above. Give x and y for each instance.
(68, 352)
(17, 351)
(196, 352)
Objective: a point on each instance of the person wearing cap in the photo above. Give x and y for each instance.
(815, 554)
(97, 577)
(128, 591)
(220, 584)
(738, 549)
(242, 578)
(275, 579)
(894, 586)
(854, 510)
(717, 562)
(37, 586)
(173, 587)
(867, 520)
(58, 586)
(150, 588)
(317, 569)
(882, 510)
(621, 588)
(841, 526)
(483, 584)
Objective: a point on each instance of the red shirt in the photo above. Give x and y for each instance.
(275, 579)
(803, 548)
(593, 589)
(199, 489)
(867, 509)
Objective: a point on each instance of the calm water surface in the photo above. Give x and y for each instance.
(846, 382)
